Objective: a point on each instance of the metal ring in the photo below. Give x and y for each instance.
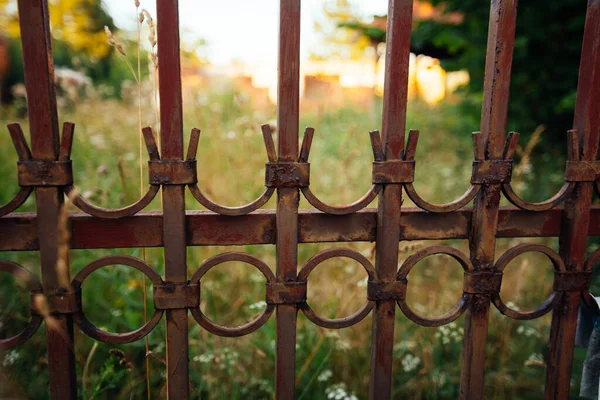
(108, 337)
(550, 302)
(350, 320)
(462, 304)
(34, 285)
(231, 211)
(441, 208)
(17, 201)
(342, 210)
(248, 327)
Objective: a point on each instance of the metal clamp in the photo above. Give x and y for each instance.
(59, 302)
(176, 296)
(172, 172)
(393, 171)
(45, 173)
(582, 171)
(482, 282)
(489, 172)
(287, 174)
(381, 291)
(571, 281)
(286, 292)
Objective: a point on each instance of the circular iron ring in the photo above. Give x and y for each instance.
(350, 320)
(550, 302)
(248, 327)
(108, 337)
(34, 285)
(408, 265)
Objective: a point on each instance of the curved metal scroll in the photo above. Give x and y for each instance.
(232, 211)
(349, 208)
(478, 145)
(100, 212)
(18, 139)
(563, 193)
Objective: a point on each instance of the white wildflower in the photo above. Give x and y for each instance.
(231, 135)
(339, 392)
(438, 378)
(325, 375)
(10, 358)
(342, 345)
(116, 313)
(204, 358)
(528, 331)
(258, 306)
(410, 362)
(537, 357)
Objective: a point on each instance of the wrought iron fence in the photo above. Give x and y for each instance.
(46, 170)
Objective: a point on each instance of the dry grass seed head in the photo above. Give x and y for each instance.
(109, 36)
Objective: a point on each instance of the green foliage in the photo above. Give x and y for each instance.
(545, 61)
(375, 34)
(79, 43)
(231, 155)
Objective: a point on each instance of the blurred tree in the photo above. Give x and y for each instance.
(546, 56)
(77, 23)
(340, 39)
(79, 41)
(80, 24)
(545, 61)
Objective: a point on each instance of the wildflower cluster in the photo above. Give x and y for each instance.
(450, 333)
(410, 362)
(339, 392)
(528, 331)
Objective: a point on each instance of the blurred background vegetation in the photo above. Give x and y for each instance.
(97, 86)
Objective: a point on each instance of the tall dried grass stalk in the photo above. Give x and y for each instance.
(525, 153)
(121, 51)
(140, 20)
(86, 368)
(145, 16)
(64, 238)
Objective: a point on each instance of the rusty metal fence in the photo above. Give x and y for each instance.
(45, 169)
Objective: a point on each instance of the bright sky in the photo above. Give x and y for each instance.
(241, 30)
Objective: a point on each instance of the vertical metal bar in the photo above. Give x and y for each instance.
(171, 122)
(38, 66)
(482, 237)
(388, 215)
(576, 214)
(288, 99)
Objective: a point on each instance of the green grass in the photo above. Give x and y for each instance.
(231, 159)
